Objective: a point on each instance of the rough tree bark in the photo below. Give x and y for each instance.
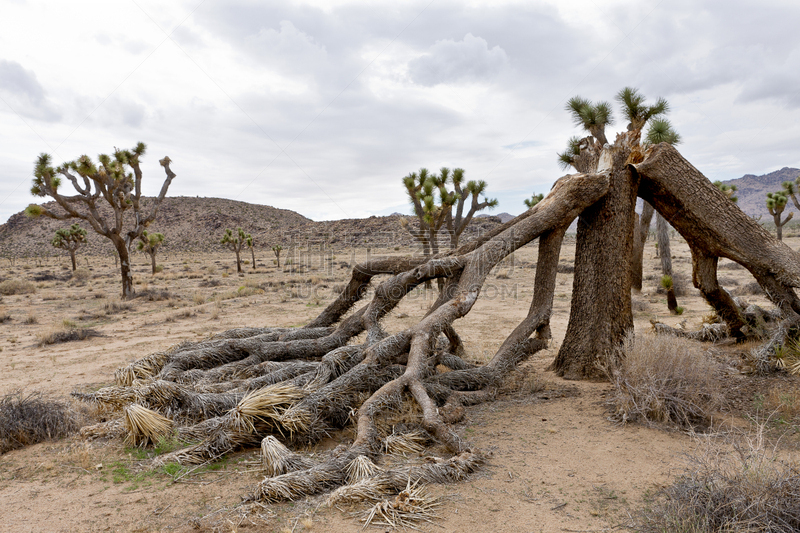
(602, 282)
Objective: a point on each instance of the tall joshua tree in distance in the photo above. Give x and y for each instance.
(250, 244)
(235, 241)
(423, 188)
(70, 239)
(776, 203)
(150, 243)
(117, 180)
(277, 251)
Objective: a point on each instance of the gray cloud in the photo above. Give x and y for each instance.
(24, 94)
(450, 61)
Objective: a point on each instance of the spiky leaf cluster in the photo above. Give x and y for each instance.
(586, 114)
(661, 131)
(566, 158)
(636, 111)
(533, 200)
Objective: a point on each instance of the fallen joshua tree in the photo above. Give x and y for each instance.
(278, 386)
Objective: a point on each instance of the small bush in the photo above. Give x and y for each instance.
(31, 319)
(16, 286)
(26, 420)
(59, 335)
(112, 307)
(154, 295)
(81, 275)
(750, 289)
(750, 489)
(4, 316)
(665, 380)
(159, 268)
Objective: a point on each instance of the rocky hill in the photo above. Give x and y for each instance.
(193, 224)
(753, 190)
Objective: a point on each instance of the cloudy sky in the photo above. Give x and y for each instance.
(323, 106)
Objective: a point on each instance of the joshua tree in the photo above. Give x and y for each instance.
(235, 241)
(112, 182)
(422, 189)
(253, 386)
(776, 203)
(533, 200)
(249, 243)
(790, 189)
(277, 249)
(149, 243)
(456, 224)
(665, 254)
(70, 239)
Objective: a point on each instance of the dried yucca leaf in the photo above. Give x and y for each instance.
(144, 425)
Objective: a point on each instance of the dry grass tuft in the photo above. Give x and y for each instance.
(65, 334)
(143, 368)
(277, 459)
(145, 425)
(404, 443)
(264, 404)
(361, 468)
(11, 287)
(32, 418)
(665, 380)
(730, 486)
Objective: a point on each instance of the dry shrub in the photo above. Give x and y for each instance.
(749, 289)
(81, 275)
(155, 295)
(112, 307)
(665, 380)
(26, 420)
(16, 286)
(65, 334)
(4, 316)
(738, 486)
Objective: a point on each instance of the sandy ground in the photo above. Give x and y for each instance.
(557, 463)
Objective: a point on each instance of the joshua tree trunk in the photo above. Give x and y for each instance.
(72, 258)
(238, 262)
(662, 234)
(124, 268)
(253, 254)
(640, 237)
(152, 255)
(602, 282)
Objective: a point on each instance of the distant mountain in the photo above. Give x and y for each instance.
(753, 190)
(194, 224)
(504, 217)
